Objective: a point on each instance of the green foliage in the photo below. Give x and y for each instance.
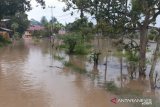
(14, 26)
(132, 57)
(153, 34)
(83, 27)
(34, 22)
(78, 25)
(3, 41)
(95, 57)
(56, 27)
(16, 35)
(58, 57)
(53, 26)
(132, 51)
(53, 20)
(81, 49)
(40, 34)
(74, 45)
(75, 67)
(11, 7)
(151, 37)
(71, 41)
(110, 86)
(19, 21)
(79, 5)
(44, 21)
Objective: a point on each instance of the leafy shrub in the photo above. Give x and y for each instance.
(151, 37)
(110, 86)
(132, 57)
(3, 41)
(71, 41)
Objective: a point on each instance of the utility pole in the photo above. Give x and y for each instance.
(52, 35)
(51, 7)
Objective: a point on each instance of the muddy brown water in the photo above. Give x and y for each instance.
(31, 77)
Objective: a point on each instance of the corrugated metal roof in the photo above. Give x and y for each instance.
(5, 29)
(35, 27)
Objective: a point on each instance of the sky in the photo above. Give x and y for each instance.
(63, 17)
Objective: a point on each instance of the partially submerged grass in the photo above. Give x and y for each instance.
(75, 67)
(58, 57)
(4, 42)
(111, 87)
(81, 50)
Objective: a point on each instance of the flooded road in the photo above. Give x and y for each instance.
(31, 77)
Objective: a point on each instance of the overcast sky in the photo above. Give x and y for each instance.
(63, 17)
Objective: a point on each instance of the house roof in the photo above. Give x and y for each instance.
(5, 29)
(35, 27)
(4, 20)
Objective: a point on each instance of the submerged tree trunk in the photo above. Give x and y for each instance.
(155, 57)
(142, 53)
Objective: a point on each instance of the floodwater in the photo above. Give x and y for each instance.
(31, 76)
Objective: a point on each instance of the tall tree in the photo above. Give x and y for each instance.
(81, 5)
(123, 15)
(53, 20)
(131, 14)
(44, 21)
(142, 14)
(10, 7)
(21, 19)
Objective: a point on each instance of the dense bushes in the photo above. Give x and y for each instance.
(74, 44)
(3, 41)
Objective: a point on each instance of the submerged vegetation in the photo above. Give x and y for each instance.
(74, 45)
(3, 41)
(75, 68)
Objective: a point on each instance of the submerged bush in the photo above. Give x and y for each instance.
(3, 41)
(71, 41)
(75, 67)
(110, 86)
(73, 44)
(132, 57)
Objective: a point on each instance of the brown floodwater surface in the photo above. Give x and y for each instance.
(29, 77)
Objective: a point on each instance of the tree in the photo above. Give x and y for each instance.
(142, 14)
(71, 41)
(131, 15)
(57, 26)
(14, 26)
(53, 20)
(80, 5)
(44, 21)
(21, 19)
(122, 16)
(156, 52)
(11, 7)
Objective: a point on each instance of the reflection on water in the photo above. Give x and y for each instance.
(30, 76)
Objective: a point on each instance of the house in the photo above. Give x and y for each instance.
(35, 28)
(62, 31)
(28, 32)
(6, 33)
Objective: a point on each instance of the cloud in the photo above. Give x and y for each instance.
(64, 17)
